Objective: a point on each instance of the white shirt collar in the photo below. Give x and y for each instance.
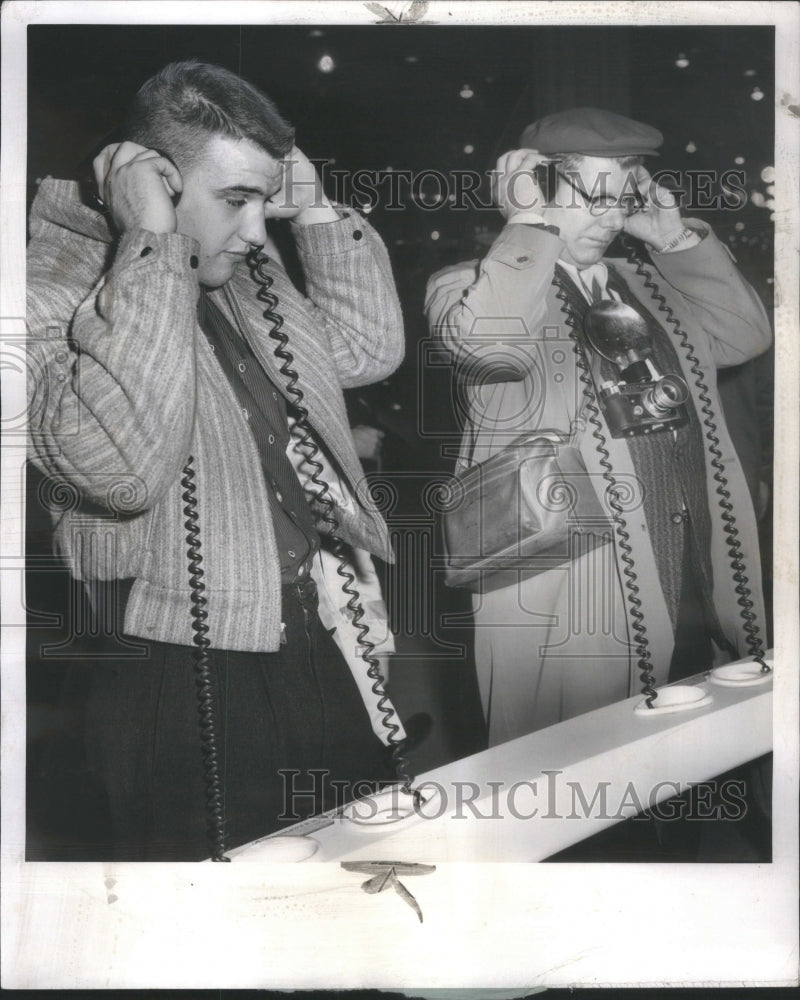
(583, 277)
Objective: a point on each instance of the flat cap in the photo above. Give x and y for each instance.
(592, 132)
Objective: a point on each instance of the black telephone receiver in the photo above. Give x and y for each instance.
(546, 174)
(88, 183)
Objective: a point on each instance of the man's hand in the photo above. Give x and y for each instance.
(300, 197)
(514, 185)
(137, 185)
(660, 219)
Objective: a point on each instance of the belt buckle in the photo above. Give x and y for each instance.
(306, 587)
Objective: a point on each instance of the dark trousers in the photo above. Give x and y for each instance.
(294, 738)
(692, 653)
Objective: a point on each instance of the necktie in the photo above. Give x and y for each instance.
(590, 279)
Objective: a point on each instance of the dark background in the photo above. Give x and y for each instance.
(418, 98)
(394, 98)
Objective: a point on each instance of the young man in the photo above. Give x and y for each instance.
(563, 642)
(167, 361)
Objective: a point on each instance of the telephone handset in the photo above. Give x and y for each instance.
(147, 196)
(546, 175)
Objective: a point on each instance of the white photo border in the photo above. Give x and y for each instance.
(486, 925)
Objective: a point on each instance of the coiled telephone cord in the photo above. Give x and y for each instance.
(208, 732)
(738, 567)
(642, 644)
(320, 492)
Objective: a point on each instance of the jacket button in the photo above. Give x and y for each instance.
(522, 260)
(357, 234)
(146, 251)
(193, 262)
(678, 517)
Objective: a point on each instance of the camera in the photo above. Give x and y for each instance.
(641, 400)
(644, 407)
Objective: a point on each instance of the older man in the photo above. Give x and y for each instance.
(525, 327)
(172, 358)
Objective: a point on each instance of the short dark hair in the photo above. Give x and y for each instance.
(185, 103)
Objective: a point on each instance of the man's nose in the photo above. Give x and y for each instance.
(613, 220)
(254, 228)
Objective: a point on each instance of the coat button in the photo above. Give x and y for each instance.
(193, 262)
(357, 234)
(678, 517)
(146, 251)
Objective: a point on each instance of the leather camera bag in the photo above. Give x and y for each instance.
(529, 508)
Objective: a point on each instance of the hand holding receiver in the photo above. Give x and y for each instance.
(300, 196)
(137, 185)
(515, 187)
(658, 223)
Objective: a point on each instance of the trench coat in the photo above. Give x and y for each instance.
(560, 643)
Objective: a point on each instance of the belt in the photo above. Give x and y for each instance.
(303, 588)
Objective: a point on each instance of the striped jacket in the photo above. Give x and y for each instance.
(124, 388)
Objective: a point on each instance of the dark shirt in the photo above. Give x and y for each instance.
(265, 410)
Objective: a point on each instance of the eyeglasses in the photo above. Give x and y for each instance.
(628, 204)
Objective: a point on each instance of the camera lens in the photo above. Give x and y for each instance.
(667, 394)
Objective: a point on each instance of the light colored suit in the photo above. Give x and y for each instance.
(559, 643)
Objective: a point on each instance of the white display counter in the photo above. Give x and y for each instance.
(530, 798)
